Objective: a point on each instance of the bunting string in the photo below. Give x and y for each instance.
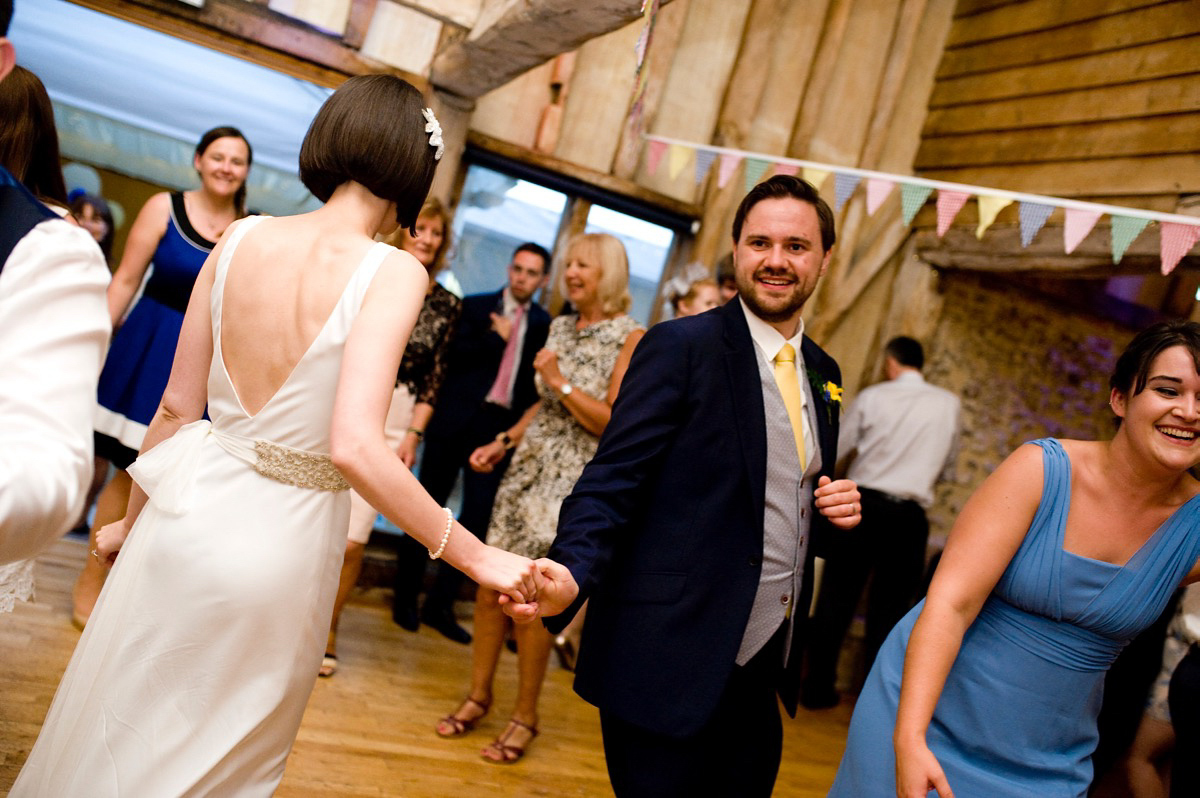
(1178, 233)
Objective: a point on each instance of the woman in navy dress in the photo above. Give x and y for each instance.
(1064, 554)
(171, 238)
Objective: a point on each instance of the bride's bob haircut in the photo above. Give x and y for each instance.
(371, 131)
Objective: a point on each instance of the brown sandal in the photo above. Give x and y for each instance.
(460, 726)
(509, 754)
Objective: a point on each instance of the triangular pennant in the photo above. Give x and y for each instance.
(726, 168)
(989, 206)
(1076, 226)
(785, 168)
(755, 169)
(912, 198)
(704, 159)
(815, 176)
(654, 153)
(1176, 240)
(1124, 230)
(949, 203)
(843, 187)
(1032, 216)
(877, 191)
(677, 157)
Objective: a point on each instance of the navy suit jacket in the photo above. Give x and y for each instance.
(664, 530)
(474, 360)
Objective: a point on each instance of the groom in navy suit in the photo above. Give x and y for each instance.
(693, 529)
(488, 385)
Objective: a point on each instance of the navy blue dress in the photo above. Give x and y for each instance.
(143, 348)
(1017, 716)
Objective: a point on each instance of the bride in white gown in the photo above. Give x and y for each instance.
(193, 673)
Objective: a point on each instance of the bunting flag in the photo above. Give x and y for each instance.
(1178, 233)
(654, 153)
(677, 158)
(1076, 225)
(1175, 241)
(755, 169)
(726, 168)
(1124, 230)
(815, 176)
(912, 198)
(949, 203)
(1032, 216)
(704, 159)
(877, 191)
(989, 206)
(843, 187)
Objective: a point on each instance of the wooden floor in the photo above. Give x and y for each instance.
(368, 731)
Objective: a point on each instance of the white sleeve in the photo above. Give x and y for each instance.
(54, 330)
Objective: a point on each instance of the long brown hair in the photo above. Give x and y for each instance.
(29, 138)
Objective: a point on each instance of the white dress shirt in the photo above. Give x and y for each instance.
(54, 330)
(904, 436)
(769, 341)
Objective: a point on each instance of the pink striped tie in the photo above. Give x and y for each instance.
(499, 392)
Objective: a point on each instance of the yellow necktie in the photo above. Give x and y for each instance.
(789, 386)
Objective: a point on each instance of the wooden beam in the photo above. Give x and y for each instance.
(599, 179)
(361, 13)
(520, 35)
(253, 33)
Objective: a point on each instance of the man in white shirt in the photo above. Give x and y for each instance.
(899, 438)
(54, 329)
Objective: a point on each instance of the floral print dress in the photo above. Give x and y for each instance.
(551, 456)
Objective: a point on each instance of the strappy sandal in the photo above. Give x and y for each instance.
(328, 665)
(460, 726)
(509, 753)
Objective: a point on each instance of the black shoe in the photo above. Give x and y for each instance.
(819, 698)
(405, 616)
(445, 623)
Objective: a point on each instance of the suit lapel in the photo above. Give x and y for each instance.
(745, 388)
(825, 410)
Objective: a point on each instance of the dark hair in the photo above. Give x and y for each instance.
(229, 132)
(29, 138)
(101, 209)
(725, 270)
(536, 249)
(371, 131)
(6, 12)
(1133, 366)
(906, 351)
(787, 187)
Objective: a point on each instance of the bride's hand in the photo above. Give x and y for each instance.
(109, 539)
(507, 573)
(918, 772)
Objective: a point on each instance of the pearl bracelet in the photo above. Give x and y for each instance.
(433, 555)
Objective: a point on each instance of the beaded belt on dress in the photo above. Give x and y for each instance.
(297, 467)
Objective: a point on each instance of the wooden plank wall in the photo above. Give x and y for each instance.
(1093, 100)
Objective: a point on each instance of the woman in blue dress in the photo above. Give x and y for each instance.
(992, 685)
(171, 238)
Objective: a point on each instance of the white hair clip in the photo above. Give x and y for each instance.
(435, 133)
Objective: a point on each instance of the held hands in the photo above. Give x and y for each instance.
(839, 501)
(514, 577)
(918, 772)
(485, 458)
(501, 325)
(109, 539)
(556, 591)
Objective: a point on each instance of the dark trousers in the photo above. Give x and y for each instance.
(736, 753)
(1184, 700)
(445, 456)
(887, 547)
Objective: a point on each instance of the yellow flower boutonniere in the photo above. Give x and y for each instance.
(828, 390)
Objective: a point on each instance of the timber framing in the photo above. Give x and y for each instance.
(601, 180)
(255, 33)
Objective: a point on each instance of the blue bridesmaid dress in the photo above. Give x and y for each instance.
(143, 347)
(1017, 717)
